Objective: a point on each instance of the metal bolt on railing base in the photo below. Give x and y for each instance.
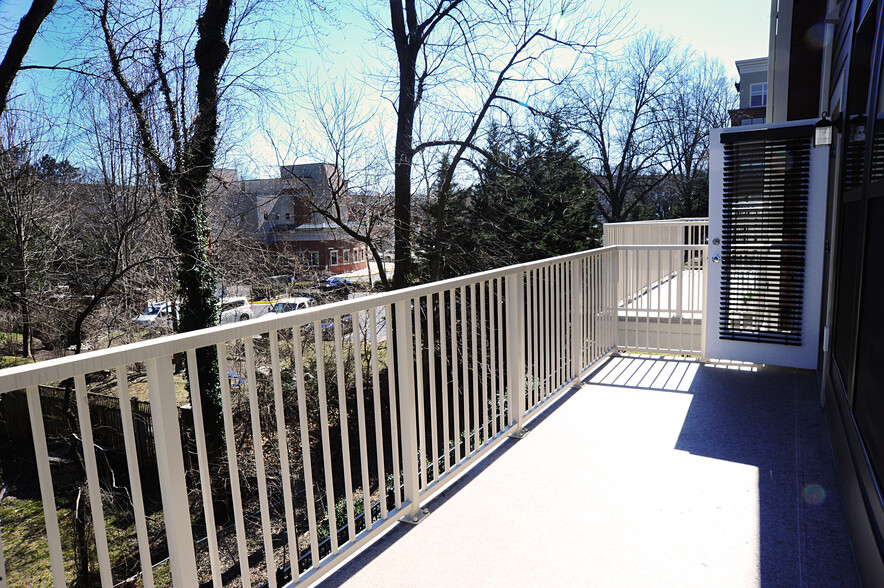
(520, 434)
(415, 519)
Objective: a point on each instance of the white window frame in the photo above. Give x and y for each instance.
(761, 88)
(333, 257)
(345, 256)
(314, 258)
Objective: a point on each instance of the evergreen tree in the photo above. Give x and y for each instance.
(531, 201)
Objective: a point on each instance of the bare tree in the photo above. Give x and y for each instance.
(617, 106)
(18, 46)
(474, 56)
(699, 101)
(177, 121)
(354, 198)
(31, 226)
(116, 223)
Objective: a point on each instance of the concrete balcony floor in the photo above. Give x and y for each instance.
(655, 472)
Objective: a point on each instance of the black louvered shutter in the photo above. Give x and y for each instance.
(763, 237)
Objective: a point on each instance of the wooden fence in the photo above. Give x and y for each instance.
(60, 420)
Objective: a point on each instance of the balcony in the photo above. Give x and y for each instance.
(652, 472)
(637, 471)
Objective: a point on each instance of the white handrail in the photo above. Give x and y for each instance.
(485, 353)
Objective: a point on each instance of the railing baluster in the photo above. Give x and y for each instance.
(562, 306)
(543, 333)
(474, 422)
(419, 390)
(258, 445)
(202, 460)
(360, 416)
(535, 340)
(556, 300)
(392, 391)
(638, 297)
(612, 297)
(305, 451)
(433, 392)
(669, 298)
(92, 481)
(319, 346)
(378, 420)
(282, 442)
(404, 351)
(648, 306)
(576, 318)
(170, 465)
(483, 358)
(548, 326)
(443, 343)
(704, 265)
(343, 412)
(47, 494)
(497, 357)
(515, 350)
(455, 368)
(230, 442)
(135, 478)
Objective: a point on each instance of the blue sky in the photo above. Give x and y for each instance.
(723, 29)
(729, 30)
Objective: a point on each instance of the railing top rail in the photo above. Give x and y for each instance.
(20, 377)
(692, 220)
(676, 247)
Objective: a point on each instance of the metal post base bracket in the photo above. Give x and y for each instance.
(521, 434)
(416, 519)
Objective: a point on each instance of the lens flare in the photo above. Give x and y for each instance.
(814, 494)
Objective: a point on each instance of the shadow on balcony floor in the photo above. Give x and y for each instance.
(656, 472)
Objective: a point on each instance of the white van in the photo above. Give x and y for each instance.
(291, 304)
(234, 309)
(157, 313)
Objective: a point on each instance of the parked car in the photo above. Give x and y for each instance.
(291, 304)
(334, 287)
(328, 327)
(235, 308)
(157, 313)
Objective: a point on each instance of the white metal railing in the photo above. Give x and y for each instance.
(662, 298)
(688, 232)
(312, 428)
(680, 231)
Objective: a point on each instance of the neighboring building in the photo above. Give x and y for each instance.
(281, 213)
(826, 68)
(753, 93)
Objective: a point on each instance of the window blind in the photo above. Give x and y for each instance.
(763, 236)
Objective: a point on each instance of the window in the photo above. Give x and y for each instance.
(314, 258)
(333, 257)
(355, 255)
(288, 216)
(346, 253)
(266, 216)
(277, 216)
(758, 94)
(752, 121)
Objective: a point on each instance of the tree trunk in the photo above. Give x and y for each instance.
(190, 236)
(402, 172)
(18, 47)
(26, 350)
